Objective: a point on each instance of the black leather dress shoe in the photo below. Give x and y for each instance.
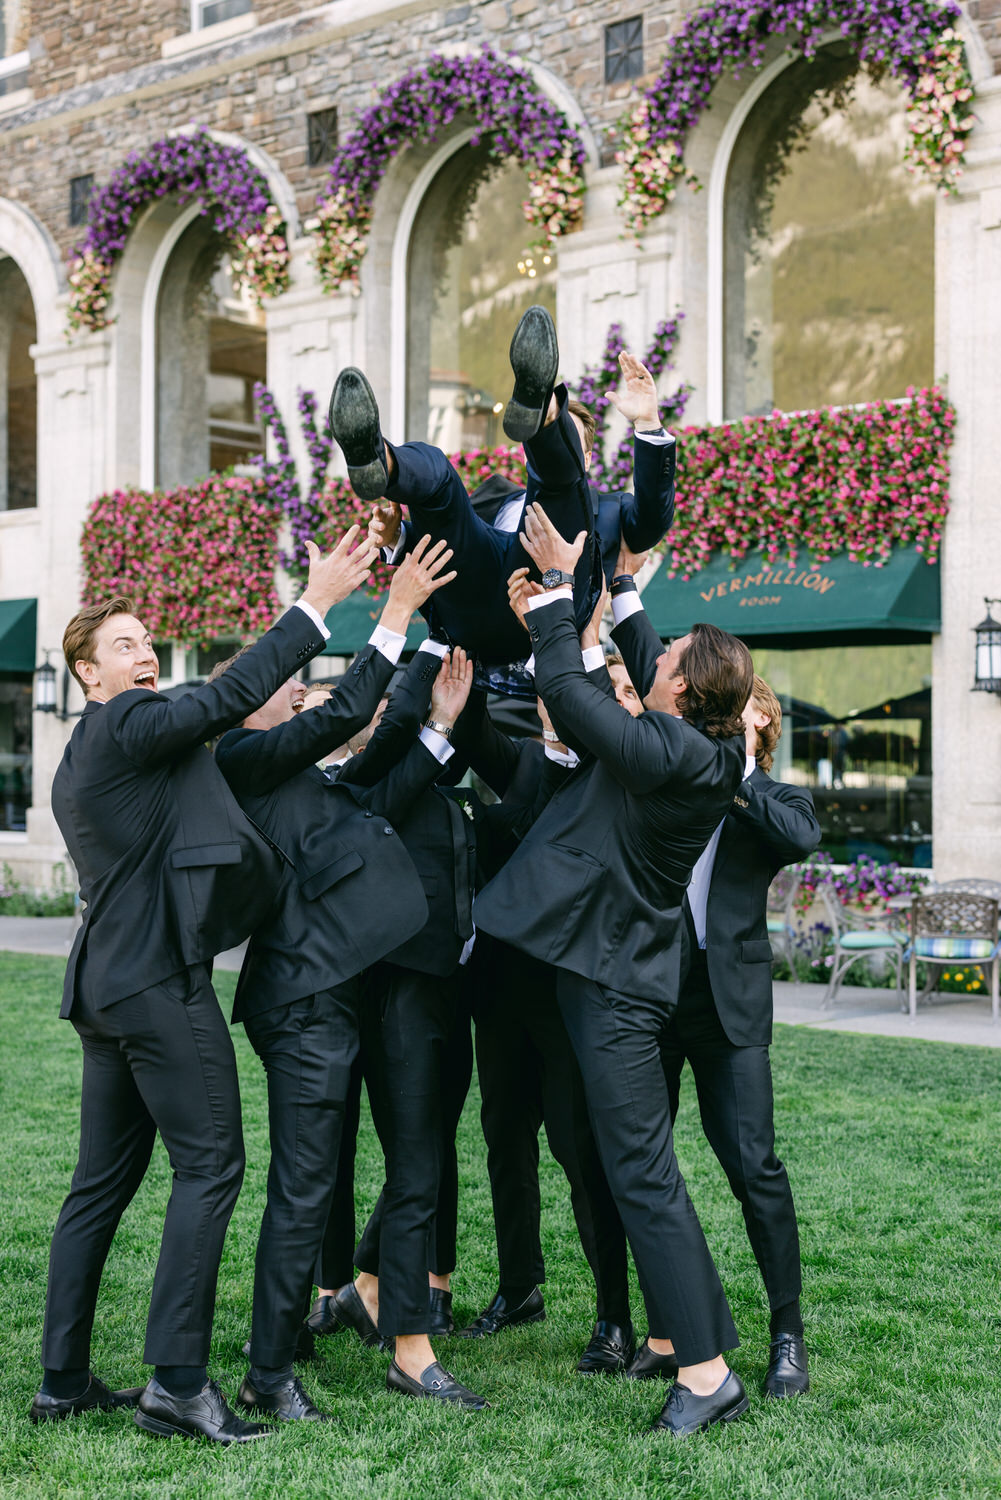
(498, 1315)
(289, 1404)
(205, 1415)
(610, 1350)
(352, 1312)
(322, 1319)
(440, 1309)
(535, 359)
(354, 422)
(787, 1371)
(646, 1365)
(96, 1397)
(685, 1413)
(436, 1383)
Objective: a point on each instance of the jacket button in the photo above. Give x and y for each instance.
(368, 814)
(387, 829)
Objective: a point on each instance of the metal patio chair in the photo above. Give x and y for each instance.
(856, 936)
(952, 926)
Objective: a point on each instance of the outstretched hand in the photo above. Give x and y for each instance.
(636, 395)
(334, 576)
(385, 525)
(451, 688)
(545, 546)
(629, 562)
(420, 574)
(520, 589)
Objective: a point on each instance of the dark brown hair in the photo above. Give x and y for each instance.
(718, 674)
(768, 737)
(78, 637)
(221, 666)
(579, 410)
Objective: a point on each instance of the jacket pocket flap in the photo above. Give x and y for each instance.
(321, 880)
(205, 854)
(756, 951)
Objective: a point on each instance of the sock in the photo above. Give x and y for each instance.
(514, 1296)
(267, 1381)
(181, 1380)
(787, 1319)
(65, 1385)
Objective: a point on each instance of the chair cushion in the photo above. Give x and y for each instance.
(776, 924)
(851, 940)
(953, 947)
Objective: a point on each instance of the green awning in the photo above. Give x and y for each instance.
(762, 601)
(351, 623)
(17, 635)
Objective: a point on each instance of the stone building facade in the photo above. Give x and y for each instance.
(89, 84)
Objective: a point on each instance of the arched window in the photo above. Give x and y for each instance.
(469, 279)
(18, 395)
(211, 348)
(829, 246)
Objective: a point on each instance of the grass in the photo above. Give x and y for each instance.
(892, 1149)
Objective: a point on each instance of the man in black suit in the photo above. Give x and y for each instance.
(596, 888)
(300, 989)
(171, 873)
(558, 436)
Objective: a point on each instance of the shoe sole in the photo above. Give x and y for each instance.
(353, 416)
(535, 359)
(156, 1428)
(464, 1333)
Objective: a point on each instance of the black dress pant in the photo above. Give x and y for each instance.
(307, 1049)
(456, 1071)
(161, 1060)
(406, 1021)
(529, 1075)
(617, 1039)
(335, 1264)
(734, 1086)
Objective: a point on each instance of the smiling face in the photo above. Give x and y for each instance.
(122, 657)
(626, 695)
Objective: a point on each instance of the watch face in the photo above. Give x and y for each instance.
(552, 578)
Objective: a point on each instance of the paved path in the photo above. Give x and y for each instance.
(949, 1018)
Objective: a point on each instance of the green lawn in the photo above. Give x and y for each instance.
(892, 1147)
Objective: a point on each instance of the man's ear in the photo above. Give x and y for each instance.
(87, 672)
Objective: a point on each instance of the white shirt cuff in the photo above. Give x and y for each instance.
(389, 642)
(568, 758)
(315, 616)
(393, 554)
(437, 744)
(530, 665)
(624, 605)
(593, 657)
(661, 439)
(434, 648)
(563, 592)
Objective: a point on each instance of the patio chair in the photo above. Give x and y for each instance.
(779, 911)
(858, 935)
(953, 927)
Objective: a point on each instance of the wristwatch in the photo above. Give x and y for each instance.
(555, 578)
(445, 730)
(649, 432)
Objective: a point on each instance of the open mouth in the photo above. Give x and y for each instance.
(145, 679)
(298, 700)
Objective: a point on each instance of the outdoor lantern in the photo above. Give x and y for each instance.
(987, 675)
(45, 687)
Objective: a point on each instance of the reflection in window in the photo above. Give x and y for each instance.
(857, 732)
(829, 248)
(18, 392)
(15, 750)
(466, 296)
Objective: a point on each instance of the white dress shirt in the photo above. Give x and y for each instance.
(698, 890)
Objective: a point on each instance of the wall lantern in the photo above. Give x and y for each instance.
(987, 672)
(45, 687)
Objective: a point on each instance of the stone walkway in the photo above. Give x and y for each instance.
(948, 1018)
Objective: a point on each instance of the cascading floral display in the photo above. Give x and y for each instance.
(511, 116)
(199, 561)
(227, 187)
(912, 40)
(861, 480)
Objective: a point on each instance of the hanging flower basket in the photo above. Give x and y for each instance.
(512, 117)
(228, 188)
(911, 39)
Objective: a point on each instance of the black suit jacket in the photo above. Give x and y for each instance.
(171, 871)
(437, 829)
(353, 889)
(597, 884)
(770, 824)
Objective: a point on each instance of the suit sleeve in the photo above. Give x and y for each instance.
(781, 816)
(394, 794)
(647, 515)
(641, 649)
(640, 753)
(261, 760)
(151, 730)
(399, 726)
(491, 753)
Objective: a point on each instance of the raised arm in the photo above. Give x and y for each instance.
(782, 816)
(647, 514)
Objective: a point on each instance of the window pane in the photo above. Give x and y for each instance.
(222, 10)
(18, 392)
(15, 751)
